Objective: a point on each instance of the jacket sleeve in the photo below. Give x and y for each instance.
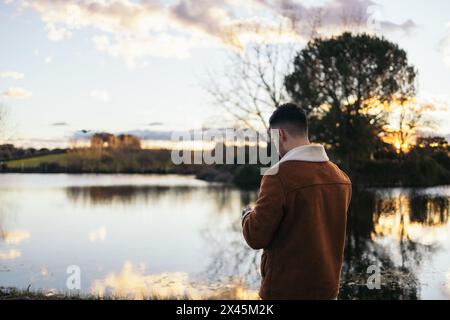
(260, 224)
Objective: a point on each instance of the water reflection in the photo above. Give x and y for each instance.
(9, 237)
(184, 239)
(133, 282)
(98, 234)
(430, 211)
(391, 229)
(397, 230)
(233, 268)
(14, 236)
(9, 254)
(128, 194)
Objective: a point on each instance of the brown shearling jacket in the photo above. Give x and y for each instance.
(300, 220)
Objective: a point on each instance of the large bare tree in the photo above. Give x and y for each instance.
(251, 83)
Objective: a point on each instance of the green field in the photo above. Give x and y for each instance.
(34, 162)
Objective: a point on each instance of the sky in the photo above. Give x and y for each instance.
(125, 66)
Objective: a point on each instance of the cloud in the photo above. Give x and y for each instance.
(155, 124)
(59, 124)
(134, 30)
(56, 34)
(100, 95)
(16, 92)
(60, 142)
(12, 75)
(144, 134)
(133, 50)
(336, 16)
(406, 26)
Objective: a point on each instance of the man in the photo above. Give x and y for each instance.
(299, 218)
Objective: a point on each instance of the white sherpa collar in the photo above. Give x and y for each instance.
(310, 153)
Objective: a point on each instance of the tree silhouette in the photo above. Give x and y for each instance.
(345, 84)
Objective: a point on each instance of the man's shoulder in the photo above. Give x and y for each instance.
(298, 174)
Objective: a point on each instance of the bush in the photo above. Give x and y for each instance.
(247, 176)
(424, 171)
(443, 159)
(213, 174)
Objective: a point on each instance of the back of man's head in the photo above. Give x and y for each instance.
(291, 118)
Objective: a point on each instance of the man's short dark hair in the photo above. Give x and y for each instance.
(291, 117)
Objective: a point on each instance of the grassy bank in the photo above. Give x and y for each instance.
(17, 294)
(11, 293)
(37, 162)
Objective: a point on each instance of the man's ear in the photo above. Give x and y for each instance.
(282, 134)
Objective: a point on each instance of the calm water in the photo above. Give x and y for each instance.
(141, 236)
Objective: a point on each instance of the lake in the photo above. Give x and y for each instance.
(169, 236)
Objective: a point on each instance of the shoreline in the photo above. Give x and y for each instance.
(194, 175)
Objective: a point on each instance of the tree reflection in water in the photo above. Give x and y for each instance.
(110, 195)
(390, 228)
(231, 259)
(385, 228)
